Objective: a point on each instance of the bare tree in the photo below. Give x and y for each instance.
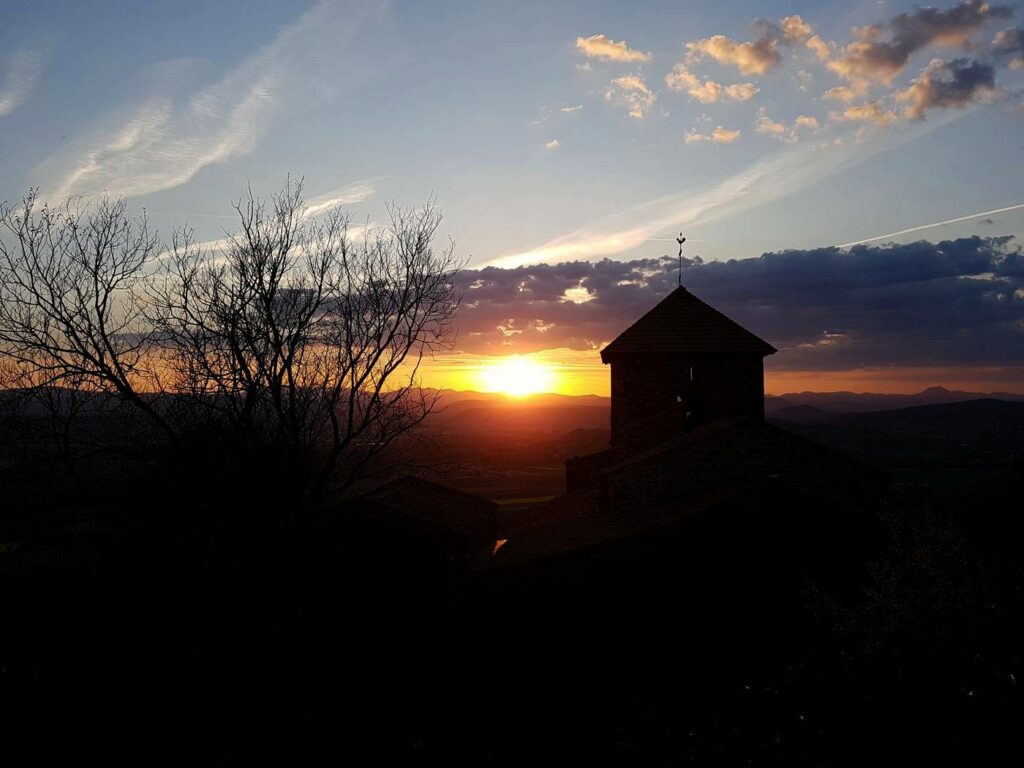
(70, 319)
(301, 339)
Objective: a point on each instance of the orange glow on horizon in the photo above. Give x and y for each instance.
(553, 371)
(580, 372)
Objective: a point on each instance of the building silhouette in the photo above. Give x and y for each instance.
(689, 444)
(691, 459)
(684, 355)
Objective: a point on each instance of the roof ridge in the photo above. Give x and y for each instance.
(682, 321)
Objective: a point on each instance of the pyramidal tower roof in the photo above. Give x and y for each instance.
(682, 323)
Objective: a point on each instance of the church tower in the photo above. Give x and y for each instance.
(684, 357)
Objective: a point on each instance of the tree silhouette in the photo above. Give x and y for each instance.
(294, 343)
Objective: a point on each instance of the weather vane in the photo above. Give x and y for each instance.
(680, 240)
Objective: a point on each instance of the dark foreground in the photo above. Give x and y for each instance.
(319, 646)
(142, 630)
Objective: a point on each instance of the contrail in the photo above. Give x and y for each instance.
(936, 224)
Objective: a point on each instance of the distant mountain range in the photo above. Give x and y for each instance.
(937, 426)
(973, 432)
(855, 402)
(832, 402)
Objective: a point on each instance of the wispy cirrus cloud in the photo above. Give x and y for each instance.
(627, 229)
(18, 75)
(165, 141)
(350, 194)
(771, 178)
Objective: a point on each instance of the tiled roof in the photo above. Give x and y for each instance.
(682, 323)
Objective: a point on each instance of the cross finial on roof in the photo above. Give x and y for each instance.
(680, 240)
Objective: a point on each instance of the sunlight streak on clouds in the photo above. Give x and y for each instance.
(348, 195)
(774, 177)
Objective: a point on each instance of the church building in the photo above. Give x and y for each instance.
(684, 355)
(689, 442)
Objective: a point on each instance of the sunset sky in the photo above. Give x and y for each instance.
(849, 174)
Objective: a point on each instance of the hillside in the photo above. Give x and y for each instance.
(975, 432)
(862, 402)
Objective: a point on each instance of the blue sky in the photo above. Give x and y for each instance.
(179, 105)
(552, 133)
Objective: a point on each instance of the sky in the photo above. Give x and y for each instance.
(846, 174)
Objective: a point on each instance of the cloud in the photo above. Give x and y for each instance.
(795, 29)
(763, 124)
(631, 93)
(601, 47)
(872, 112)
(758, 56)
(754, 58)
(577, 108)
(347, 195)
(741, 91)
(1009, 43)
(957, 83)
(719, 136)
(820, 48)
(708, 91)
(873, 60)
(553, 144)
(765, 180)
(957, 302)
(847, 93)
(770, 178)
(165, 141)
(18, 75)
(790, 134)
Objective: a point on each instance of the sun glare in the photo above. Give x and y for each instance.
(518, 377)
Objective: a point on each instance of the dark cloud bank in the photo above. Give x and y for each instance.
(952, 303)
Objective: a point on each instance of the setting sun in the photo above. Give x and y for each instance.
(517, 376)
